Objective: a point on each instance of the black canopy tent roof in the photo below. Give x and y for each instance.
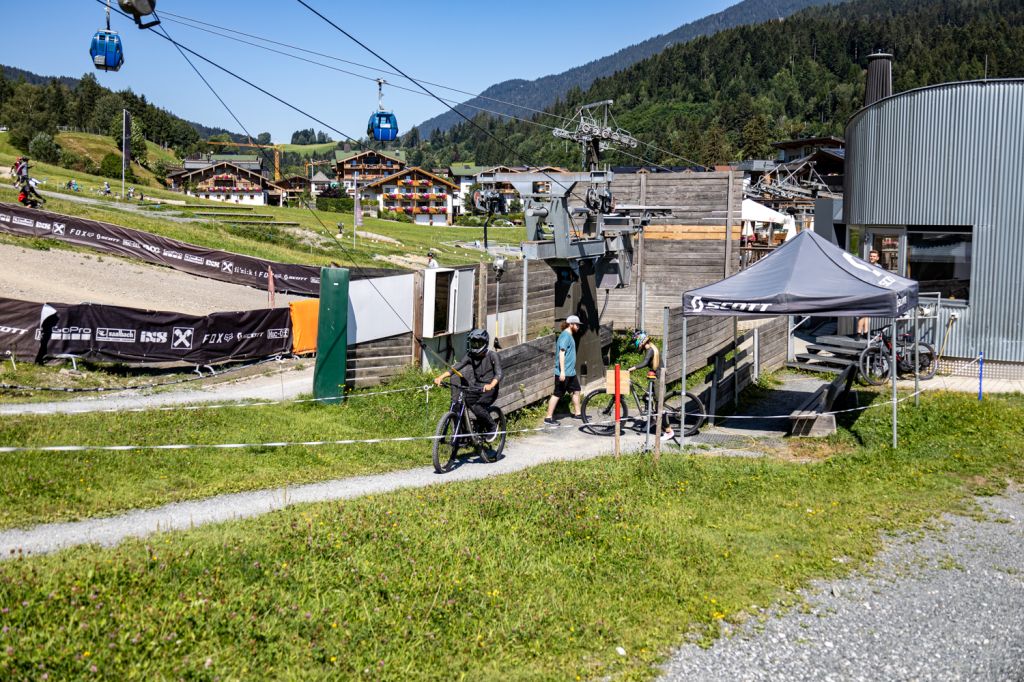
(808, 275)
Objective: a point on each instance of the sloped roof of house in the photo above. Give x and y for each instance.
(233, 167)
(461, 170)
(407, 171)
(396, 155)
(320, 177)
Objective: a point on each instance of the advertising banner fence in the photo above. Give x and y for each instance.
(289, 278)
(19, 321)
(113, 333)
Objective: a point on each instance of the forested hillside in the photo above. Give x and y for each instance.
(543, 92)
(727, 96)
(32, 104)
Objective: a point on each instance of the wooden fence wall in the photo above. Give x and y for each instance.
(540, 294)
(686, 250)
(373, 362)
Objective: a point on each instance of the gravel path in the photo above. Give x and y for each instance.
(70, 277)
(948, 607)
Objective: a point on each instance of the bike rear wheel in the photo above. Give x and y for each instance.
(874, 366)
(491, 451)
(446, 443)
(927, 361)
(695, 418)
(598, 410)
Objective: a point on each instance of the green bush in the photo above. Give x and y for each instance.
(395, 216)
(43, 147)
(110, 167)
(335, 205)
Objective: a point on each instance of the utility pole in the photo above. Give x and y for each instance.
(126, 146)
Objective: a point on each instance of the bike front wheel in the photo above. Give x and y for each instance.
(674, 403)
(490, 451)
(446, 443)
(598, 411)
(874, 366)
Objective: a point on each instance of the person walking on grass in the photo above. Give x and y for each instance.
(566, 380)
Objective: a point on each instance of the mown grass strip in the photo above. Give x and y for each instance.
(536, 575)
(50, 486)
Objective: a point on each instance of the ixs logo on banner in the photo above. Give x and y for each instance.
(698, 305)
(153, 337)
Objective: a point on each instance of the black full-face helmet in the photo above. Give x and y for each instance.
(477, 342)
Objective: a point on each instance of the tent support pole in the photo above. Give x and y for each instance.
(917, 364)
(682, 376)
(892, 378)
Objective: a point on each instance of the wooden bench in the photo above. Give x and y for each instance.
(809, 419)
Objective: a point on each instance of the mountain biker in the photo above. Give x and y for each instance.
(28, 196)
(652, 361)
(481, 369)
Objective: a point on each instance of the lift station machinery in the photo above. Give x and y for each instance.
(573, 224)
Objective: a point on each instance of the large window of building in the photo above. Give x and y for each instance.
(940, 259)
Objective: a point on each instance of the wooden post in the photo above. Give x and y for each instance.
(638, 314)
(526, 291)
(618, 411)
(735, 362)
(892, 377)
(716, 373)
(417, 318)
(481, 306)
(728, 229)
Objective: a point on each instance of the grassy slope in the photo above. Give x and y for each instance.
(536, 575)
(95, 147)
(414, 239)
(310, 149)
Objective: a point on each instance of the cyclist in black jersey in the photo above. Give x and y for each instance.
(479, 369)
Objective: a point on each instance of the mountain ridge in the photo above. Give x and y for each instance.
(544, 91)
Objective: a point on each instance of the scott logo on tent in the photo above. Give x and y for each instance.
(698, 305)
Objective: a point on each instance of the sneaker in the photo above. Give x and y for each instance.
(548, 421)
(668, 435)
(491, 437)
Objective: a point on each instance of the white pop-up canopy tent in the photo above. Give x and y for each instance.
(808, 275)
(753, 212)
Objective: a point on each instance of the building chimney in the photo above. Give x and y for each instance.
(879, 83)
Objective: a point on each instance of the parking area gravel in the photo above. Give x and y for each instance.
(945, 606)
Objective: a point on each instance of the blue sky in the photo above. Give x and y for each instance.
(466, 45)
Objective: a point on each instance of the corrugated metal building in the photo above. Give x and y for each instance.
(933, 182)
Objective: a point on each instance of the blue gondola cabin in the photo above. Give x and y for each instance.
(383, 126)
(106, 51)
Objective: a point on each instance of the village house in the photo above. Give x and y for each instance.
(366, 166)
(319, 183)
(227, 182)
(427, 198)
(294, 186)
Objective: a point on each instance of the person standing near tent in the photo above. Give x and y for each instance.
(566, 380)
(864, 323)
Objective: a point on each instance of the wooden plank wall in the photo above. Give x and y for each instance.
(705, 337)
(774, 344)
(373, 362)
(680, 252)
(540, 295)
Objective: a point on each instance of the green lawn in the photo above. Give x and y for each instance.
(537, 575)
(310, 149)
(51, 486)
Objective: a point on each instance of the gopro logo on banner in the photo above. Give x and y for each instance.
(115, 335)
(281, 333)
(698, 304)
(183, 337)
(71, 334)
(153, 337)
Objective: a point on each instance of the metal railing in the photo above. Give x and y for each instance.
(751, 254)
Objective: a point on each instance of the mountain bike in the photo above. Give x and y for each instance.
(455, 433)
(598, 408)
(875, 360)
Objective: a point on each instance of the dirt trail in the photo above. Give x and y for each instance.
(69, 277)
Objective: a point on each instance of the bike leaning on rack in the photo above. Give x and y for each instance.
(599, 409)
(876, 360)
